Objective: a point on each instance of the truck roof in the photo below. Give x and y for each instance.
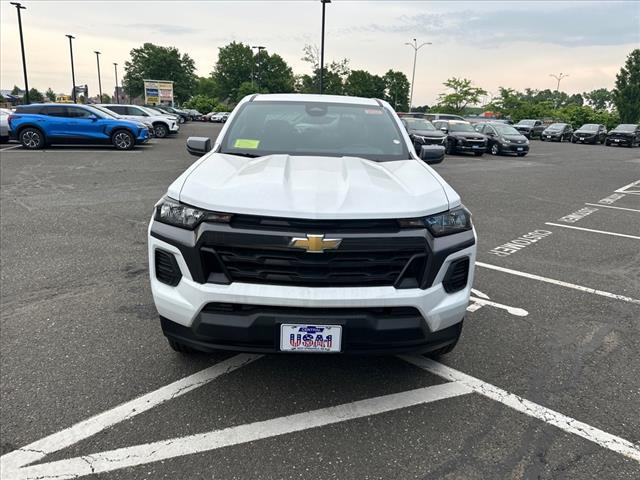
(305, 97)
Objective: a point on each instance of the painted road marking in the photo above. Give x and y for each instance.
(617, 208)
(213, 440)
(560, 283)
(594, 231)
(568, 424)
(482, 299)
(633, 188)
(579, 215)
(10, 148)
(519, 243)
(87, 428)
(610, 199)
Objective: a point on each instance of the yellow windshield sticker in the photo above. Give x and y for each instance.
(246, 143)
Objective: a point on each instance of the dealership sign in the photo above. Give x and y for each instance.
(158, 91)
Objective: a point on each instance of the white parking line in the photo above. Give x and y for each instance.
(85, 429)
(532, 276)
(616, 208)
(518, 312)
(594, 231)
(633, 188)
(568, 424)
(202, 442)
(10, 148)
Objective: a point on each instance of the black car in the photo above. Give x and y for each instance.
(590, 133)
(422, 132)
(625, 134)
(530, 128)
(504, 139)
(557, 132)
(181, 114)
(462, 137)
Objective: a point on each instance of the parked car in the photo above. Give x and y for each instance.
(162, 126)
(443, 116)
(340, 212)
(181, 114)
(194, 114)
(504, 139)
(146, 122)
(41, 124)
(422, 132)
(560, 132)
(4, 124)
(625, 134)
(220, 117)
(530, 128)
(207, 117)
(462, 137)
(590, 133)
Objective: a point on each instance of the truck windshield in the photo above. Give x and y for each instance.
(314, 129)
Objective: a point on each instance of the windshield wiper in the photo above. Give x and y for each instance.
(248, 155)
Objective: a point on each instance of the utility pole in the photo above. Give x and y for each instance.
(99, 80)
(260, 48)
(24, 61)
(115, 69)
(324, 4)
(415, 47)
(73, 73)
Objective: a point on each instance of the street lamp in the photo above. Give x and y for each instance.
(415, 47)
(324, 4)
(24, 62)
(260, 48)
(115, 69)
(73, 73)
(558, 78)
(99, 80)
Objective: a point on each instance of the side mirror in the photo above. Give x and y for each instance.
(198, 146)
(93, 117)
(432, 153)
(444, 129)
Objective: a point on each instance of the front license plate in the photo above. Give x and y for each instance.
(475, 146)
(616, 139)
(310, 338)
(520, 149)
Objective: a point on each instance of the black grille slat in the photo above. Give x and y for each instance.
(457, 275)
(167, 270)
(314, 226)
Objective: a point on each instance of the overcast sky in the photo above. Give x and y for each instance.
(514, 44)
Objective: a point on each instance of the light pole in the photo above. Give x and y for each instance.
(99, 80)
(260, 48)
(73, 73)
(324, 4)
(415, 47)
(558, 78)
(115, 69)
(24, 61)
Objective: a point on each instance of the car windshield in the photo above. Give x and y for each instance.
(313, 128)
(151, 111)
(419, 124)
(625, 127)
(98, 112)
(106, 111)
(461, 127)
(589, 127)
(527, 123)
(556, 126)
(505, 129)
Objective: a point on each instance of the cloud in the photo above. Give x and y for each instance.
(582, 25)
(162, 28)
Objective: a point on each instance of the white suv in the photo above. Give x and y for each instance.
(162, 124)
(311, 225)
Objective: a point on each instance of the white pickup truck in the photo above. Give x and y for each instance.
(311, 225)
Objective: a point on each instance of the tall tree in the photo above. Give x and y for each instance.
(397, 90)
(272, 74)
(361, 83)
(234, 66)
(335, 74)
(626, 94)
(600, 99)
(35, 96)
(155, 62)
(461, 93)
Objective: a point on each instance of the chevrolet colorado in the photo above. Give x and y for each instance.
(311, 225)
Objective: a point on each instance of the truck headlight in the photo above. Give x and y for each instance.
(184, 216)
(453, 221)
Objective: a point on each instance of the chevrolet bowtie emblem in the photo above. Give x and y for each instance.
(315, 243)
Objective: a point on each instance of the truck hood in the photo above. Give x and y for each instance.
(313, 187)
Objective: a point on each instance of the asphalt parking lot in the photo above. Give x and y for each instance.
(543, 385)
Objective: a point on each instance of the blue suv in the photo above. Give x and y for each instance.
(41, 124)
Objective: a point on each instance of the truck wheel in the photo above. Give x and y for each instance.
(160, 130)
(32, 138)
(123, 140)
(180, 347)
